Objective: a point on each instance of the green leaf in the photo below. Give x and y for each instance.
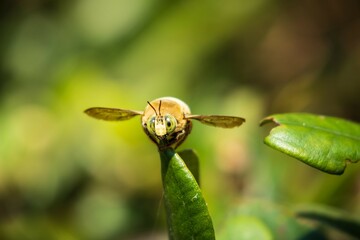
(331, 217)
(186, 210)
(257, 219)
(326, 143)
(192, 162)
(245, 227)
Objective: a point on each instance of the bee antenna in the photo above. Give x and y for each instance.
(153, 107)
(159, 108)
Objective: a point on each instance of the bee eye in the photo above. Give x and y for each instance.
(150, 125)
(170, 123)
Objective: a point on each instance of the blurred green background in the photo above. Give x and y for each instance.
(64, 175)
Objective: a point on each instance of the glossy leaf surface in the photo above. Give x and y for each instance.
(326, 143)
(192, 162)
(186, 209)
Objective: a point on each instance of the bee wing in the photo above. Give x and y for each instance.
(111, 114)
(218, 120)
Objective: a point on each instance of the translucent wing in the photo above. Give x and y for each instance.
(218, 120)
(111, 114)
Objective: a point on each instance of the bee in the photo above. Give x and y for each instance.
(166, 120)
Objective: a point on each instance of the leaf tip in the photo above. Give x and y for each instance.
(269, 119)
